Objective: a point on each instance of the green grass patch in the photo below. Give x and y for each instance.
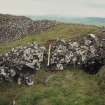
(70, 87)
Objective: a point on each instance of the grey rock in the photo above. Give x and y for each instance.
(87, 53)
(22, 63)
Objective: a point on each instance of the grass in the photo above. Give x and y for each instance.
(70, 87)
(65, 31)
(73, 87)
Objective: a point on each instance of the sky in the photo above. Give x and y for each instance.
(82, 8)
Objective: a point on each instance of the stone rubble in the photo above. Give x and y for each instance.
(86, 53)
(22, 63)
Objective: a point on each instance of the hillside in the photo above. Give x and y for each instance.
(99, 21)
(62, 30)
(69, 87)
(16, 27)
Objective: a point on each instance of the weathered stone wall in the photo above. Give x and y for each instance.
(21, 63)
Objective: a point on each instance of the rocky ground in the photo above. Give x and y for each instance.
(16, 27)
(72, 86)
(21, 63)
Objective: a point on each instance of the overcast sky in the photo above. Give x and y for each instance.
(54, 7)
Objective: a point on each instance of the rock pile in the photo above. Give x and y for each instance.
(21, 64)
(88, 53)
(16, 27)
